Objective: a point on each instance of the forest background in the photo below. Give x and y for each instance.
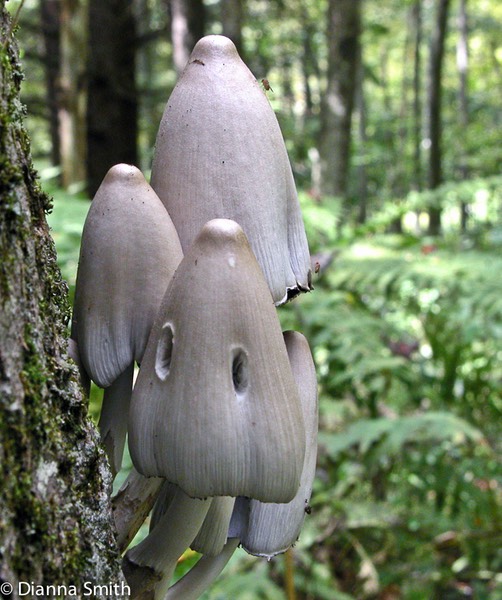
(391, 115)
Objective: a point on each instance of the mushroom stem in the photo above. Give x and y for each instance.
(212, 536)
(114, 417)
(214, 531)
(149, 566)
(200, 576)
(132, 503)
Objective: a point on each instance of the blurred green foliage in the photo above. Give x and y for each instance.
(407, 337)
(406, 330)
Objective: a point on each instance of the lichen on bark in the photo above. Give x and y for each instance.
(55, 513)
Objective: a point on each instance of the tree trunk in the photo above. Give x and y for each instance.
(417, 96)
(463, 113)
(362, 176)
(50, 16)
(308, 60)
(399, 177)
(344, 24)
(188, 20)
(232, 17)
(55, 513)
(73, 92)
(435, 171)
(112, 104)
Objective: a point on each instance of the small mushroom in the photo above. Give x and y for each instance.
(220, 154)
(128, 254)
(215, 408)
(267, 529)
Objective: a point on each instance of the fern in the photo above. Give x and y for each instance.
(388, 437)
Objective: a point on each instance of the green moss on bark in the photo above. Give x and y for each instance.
(55, 514)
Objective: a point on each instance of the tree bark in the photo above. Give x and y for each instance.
(55, 514)
(188, 20)
(112, 104)
(344, 24)
(435, 170)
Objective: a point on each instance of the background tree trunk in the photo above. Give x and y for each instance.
(50, 13)
(463, 113)
(112, 103)
(232, 18)
(417, 96)
(73, 92)
(362, 176)
(55, 514)
(188, 21)
(344, 24)
(435, 170)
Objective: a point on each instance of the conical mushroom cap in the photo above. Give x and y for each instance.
(128, 254)
(273, 528)
(220, 153)
(215, 408)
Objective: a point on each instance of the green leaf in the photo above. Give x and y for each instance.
(389, 436)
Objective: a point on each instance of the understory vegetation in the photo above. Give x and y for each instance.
(406, 332)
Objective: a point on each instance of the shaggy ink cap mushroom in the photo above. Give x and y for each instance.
(220, 153)
(128, 254)
(215, 408)
(267, 529)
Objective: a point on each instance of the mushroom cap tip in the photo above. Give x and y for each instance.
(216, 41)
(222, 231)
(123, 171)
(213, 46)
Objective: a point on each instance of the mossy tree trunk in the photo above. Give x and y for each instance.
(55, 515)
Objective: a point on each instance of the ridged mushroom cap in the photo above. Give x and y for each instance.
(266, 529)
(128, 254)
(215, 408)
(220, 154)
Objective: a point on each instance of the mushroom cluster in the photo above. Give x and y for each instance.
(181, 278)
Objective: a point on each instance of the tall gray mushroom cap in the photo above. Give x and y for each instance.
(266, 529)
(128, 254)
(215, 408)
(220, 153)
